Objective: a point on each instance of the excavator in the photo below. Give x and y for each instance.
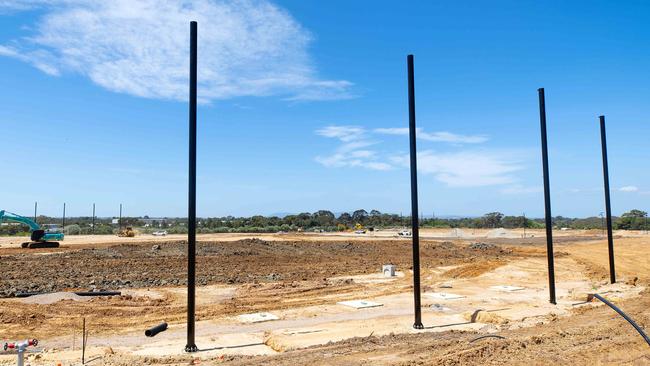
(48, 238)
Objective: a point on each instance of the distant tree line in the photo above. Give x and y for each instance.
(324, 220)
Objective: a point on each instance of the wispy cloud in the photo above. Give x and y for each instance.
(246, 48)
(441, 136)
(629, 189)
(343, 133)
(352, 151)
(465, 168)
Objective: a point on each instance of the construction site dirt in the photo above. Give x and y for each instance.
(302, 278)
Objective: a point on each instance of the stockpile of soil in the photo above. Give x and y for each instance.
(142, 265)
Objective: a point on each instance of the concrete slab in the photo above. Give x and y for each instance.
(360, 304)
(507, 288)
(443, 296)
(233, 344)
(256, 317)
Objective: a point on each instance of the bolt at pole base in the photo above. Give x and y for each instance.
(418, 326)
(191, 348)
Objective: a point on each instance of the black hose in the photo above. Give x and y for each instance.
(486, 336)
(155, 330)
(621, 313)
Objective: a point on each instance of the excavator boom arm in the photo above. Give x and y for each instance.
(12, 217)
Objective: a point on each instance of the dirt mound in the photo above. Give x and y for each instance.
(51, 298)
(481, 246)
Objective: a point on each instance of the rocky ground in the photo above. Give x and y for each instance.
(142, 265)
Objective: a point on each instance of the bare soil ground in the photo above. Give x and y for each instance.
(281, 273)
(596, 336)
(154, 264)
(267, 270)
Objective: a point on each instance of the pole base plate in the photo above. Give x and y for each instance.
(191, 348)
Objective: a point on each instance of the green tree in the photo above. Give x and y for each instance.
(493, 219)
(632, 220)
(360, 216)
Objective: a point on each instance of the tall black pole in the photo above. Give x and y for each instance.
(608, 206)
(35, 209)
(415, 232)
(119, 221)
(547, 198)
(63, 223)
(93, 218)
(191, 213)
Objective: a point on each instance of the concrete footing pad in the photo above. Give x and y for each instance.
(256, 317)
(443, 296)
(360, 304)
(507, 288)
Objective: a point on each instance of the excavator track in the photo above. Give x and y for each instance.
(40, 244)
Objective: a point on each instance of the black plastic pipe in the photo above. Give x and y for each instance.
(621, 313)
(78, 293)
(415, 225)
(547, 198)
(191, 212)
(151, 332)
(608, 206)
(98, 293)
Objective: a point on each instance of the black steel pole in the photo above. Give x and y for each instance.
(93, 218)
(63, 223)
(191, 214)
(415, 232)
(547, 198)
(119, 221)
(608, 206)
(35, 209)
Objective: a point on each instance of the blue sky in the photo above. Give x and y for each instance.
(303, 105)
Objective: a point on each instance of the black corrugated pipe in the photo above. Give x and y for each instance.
(98, 293)
(621, 313)
(155, 330)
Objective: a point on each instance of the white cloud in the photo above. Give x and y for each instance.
(246, 48)
(441, 136)
(465, 168)
(343, 133)
(629, 189)
(341, 160)
(392, 131)
(352, 152)
(456, 169)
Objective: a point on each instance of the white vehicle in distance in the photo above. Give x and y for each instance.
(159, 233)
(404, 233)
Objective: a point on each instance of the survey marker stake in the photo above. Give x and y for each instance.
(415, 232)
(191, 212)
(608, 206)
(547, 198)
